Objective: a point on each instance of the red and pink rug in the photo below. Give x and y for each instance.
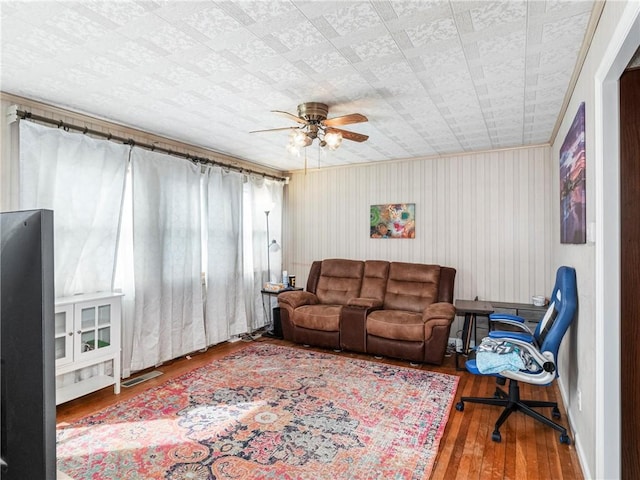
(269, 412)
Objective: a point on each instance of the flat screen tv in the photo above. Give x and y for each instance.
(27, 358)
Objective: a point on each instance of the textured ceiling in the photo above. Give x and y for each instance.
(433, 77)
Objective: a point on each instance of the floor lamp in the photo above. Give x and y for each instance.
(271, 246)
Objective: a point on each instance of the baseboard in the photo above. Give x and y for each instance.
(577, 443)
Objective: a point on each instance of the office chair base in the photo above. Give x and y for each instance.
(512, 402)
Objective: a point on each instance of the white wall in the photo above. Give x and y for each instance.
(8, 162)
(584, 354)
(486, 214)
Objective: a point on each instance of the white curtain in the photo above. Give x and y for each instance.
(164, 246)
(260, 195)
(169, 318)
(225, 306)
(82, 180)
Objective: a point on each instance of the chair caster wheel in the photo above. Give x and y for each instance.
(496, 437)
(564, 438)
(460, 406)
(555, 413)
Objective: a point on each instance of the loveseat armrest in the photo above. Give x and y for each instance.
(437, 319)
(297, 298)
(364, 302)
(439, 314)
(353, 325)
(439, 310)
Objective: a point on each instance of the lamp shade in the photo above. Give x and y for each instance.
(300, 139)
(333, 139)
(274, 246)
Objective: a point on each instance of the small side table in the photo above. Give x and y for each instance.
(268, 295)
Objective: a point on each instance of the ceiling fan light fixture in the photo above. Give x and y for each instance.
(333, 140)
(313, 123)
(299, 138)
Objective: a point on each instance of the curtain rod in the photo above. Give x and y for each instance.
(24, 115)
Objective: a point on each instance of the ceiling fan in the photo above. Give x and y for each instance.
(312, 117)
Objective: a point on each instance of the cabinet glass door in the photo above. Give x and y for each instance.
(95, 328)
(63, 334)
(104, 326)
(88, 329)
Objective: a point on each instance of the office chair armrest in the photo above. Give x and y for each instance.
(509, 336)
(532, 349)
(546, 374)
(516, 324)
(505, 316)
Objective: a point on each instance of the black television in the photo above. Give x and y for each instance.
(27, 358)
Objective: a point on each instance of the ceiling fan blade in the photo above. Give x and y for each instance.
(290, 116)
(354, 137)
(274, 129)
(345, 120)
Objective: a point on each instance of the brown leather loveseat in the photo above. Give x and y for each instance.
(395, 309)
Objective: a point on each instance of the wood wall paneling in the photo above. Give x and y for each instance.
(486, 214)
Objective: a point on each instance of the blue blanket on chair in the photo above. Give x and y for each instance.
(495, 356)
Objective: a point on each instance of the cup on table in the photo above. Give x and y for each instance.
(292, 281)
(538, 300)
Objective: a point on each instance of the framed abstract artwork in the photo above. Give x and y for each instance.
(393, 220)
(573, 215)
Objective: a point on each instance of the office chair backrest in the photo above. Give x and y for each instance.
(562, 308)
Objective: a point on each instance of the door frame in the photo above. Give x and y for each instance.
(623, 45)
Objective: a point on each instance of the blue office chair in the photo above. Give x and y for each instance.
(537, 356)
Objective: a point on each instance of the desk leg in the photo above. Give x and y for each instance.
(469, 325)
(467, 328)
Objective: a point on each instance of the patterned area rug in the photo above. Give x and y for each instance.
(269, 412)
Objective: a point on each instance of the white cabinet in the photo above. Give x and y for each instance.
(87, 339)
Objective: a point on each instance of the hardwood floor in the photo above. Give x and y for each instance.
(528, 451)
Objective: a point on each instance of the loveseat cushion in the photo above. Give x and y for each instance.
(339, 281)
(411, 286)
(396, 325)
(374, 280)
(318, 317)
